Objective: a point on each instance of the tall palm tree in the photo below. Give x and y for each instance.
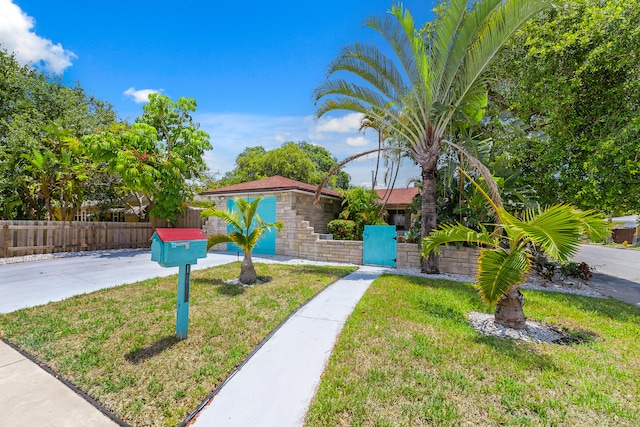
(506, 258)
(427, 80)
(247, 226)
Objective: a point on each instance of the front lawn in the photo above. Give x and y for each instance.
(408, 357)
(118, 345)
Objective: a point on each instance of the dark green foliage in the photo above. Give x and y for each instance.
(343, 229)
(571, 78)
(300, 161)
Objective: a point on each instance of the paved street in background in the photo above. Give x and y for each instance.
(617, 271)
(28, 284)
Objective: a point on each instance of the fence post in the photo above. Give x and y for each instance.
(5, 243)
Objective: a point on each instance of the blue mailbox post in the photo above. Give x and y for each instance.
(179, 247)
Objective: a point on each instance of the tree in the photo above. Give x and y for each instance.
(158, 156)
(573, 73)
(33, 108)
(324, 161)
(248, 227)
(299, 161)
(506, 258)
(427, 81)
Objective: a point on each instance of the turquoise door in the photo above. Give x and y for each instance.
(267, 211)
(379, 245)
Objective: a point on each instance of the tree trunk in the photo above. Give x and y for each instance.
(509, 309)
(429, 220)
(247, 271)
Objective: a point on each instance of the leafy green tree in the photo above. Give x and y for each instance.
(248, 227)
(324, 162)
(506, 258)
(427, 81)
(31, 105)
(300, 161)
(572, 73)
(158, 156)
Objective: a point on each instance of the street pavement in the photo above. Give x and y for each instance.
(617, 271)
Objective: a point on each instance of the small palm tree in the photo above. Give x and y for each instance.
(248, 227)
(506, 252)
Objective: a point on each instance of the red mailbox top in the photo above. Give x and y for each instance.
(177, 234)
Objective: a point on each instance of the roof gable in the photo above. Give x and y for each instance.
(398, 196)
(272, 183)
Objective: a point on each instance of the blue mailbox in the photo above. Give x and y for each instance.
(179, 247)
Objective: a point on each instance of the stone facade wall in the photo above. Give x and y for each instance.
(299, 238)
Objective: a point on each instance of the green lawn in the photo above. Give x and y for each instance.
(408, 357)
(119, 346)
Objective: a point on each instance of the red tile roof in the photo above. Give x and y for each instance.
(398, 196)
(273, 183)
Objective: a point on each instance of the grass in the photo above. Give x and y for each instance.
(408, 357)
(118, 345)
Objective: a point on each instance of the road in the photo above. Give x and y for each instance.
(27, 284)
(617, 271)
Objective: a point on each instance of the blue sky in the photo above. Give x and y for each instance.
(251, 66)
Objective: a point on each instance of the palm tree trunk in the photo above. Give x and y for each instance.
(429, 219)
(509, 310)
(247, 270)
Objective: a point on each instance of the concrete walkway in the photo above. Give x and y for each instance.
(274, 388)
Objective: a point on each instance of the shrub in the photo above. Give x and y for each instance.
(577, 270)
(343, 229)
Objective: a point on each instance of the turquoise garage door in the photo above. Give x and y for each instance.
(267, 211)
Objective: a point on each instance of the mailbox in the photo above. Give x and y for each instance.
(173, 247)
(179, 247)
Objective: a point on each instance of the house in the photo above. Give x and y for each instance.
(292, 202)
(397, 202)
(284, 200)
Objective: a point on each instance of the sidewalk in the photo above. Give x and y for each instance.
(274, 388)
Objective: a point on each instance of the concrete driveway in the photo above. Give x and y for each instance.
(617, 271)
(28, 284)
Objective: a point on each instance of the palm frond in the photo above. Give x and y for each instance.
(364, 94)
(460, 38)
(217, 238)
(502, 22)
(368, 63)
(555, 230)
(448, 233)
(594, 225)
(498, 270)
(484, 172)
(232, 218)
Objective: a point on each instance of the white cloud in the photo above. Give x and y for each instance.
(357, 141)
(17, 36)
(139, 96)
(344, 124)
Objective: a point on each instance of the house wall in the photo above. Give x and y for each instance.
(291, 208)
(299, 238)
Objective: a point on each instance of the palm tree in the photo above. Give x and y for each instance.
(427, 81)
(248, 227)
(506, 258)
